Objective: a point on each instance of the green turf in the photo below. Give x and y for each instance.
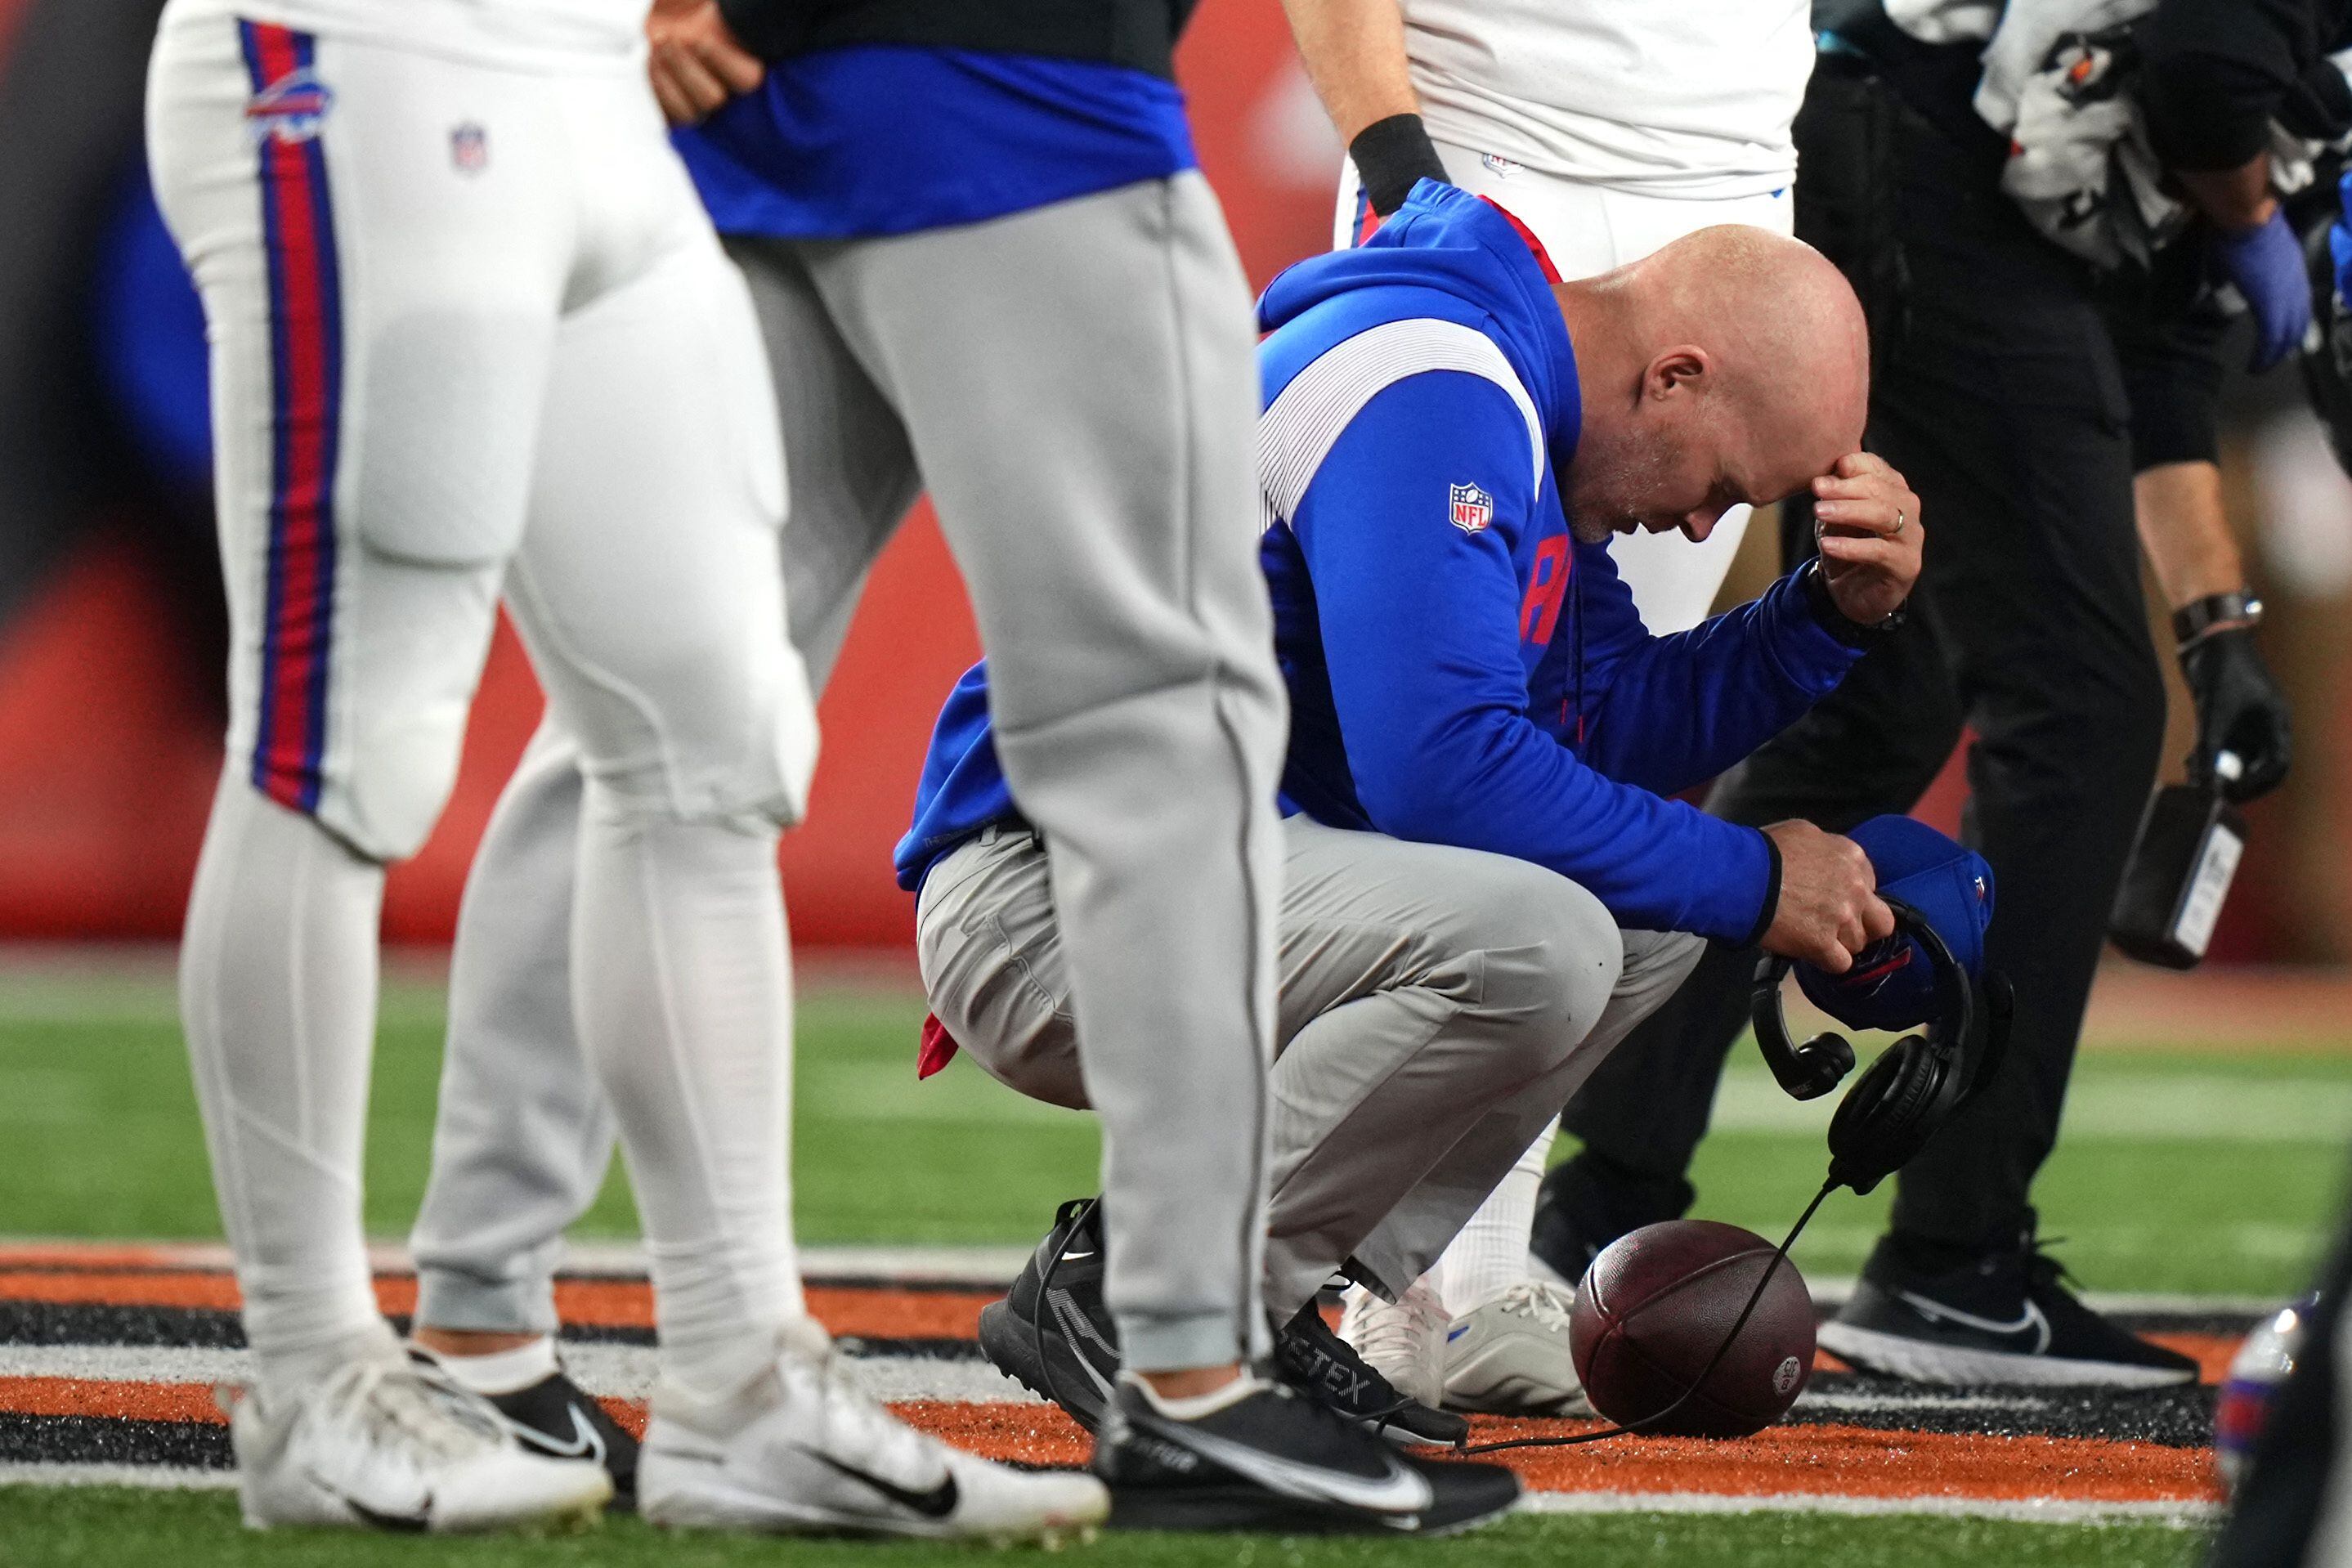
(100, 1528)
(2180, 1170)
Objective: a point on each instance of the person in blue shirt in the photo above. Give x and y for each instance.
(1486, 879)
(984, 265)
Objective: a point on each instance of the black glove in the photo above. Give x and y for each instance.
(2239, 710)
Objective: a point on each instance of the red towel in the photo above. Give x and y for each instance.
(939, 1047)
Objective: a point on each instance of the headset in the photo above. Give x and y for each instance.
(1915, 1086)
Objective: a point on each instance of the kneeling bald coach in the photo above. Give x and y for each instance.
(1486, 884)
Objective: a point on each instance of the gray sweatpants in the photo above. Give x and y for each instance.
(1077, 388)
(1434, 1004)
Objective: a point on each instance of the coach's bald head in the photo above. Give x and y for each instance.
(1731, 367)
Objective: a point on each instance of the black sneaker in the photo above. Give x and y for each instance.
(2004, 1317)
(1320, 1365)
(1587, 1202)
(1074, 1360)
(556, 1415)
(1274, 1460)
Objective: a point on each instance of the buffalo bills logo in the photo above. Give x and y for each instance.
(291, 109)
(1472, 507)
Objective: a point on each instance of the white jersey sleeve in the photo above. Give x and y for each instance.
(1672, 97)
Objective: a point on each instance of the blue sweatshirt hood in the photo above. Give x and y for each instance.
(1445, 241)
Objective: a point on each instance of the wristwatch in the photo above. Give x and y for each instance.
(1836, 622)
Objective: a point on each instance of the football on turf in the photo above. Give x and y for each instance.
(1655, 1307)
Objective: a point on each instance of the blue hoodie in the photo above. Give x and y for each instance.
(1461, 671)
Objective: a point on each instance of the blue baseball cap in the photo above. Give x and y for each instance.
(1892, 984)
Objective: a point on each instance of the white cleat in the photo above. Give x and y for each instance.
(1510, 1357)
(1404, 1343)
(393, 1444)
(802, 1450)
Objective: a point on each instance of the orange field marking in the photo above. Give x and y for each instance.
(120, 1401)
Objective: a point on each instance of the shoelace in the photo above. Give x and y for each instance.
(1540, 1301)
(403, 1403)
(1402, 1329)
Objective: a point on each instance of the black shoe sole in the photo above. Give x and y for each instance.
(1010, 1343)
(1239, 1508)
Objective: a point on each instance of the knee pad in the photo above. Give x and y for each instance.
(740, 749)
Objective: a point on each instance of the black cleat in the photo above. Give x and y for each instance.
(1077, 1342)
(556, 1416)
(1587, 1202)
(1274, 1460)
(2004, 1317)
(1074, 1361)
(1325, 1368)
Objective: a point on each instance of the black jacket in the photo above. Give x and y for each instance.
(2215, 73)
(1137, 33)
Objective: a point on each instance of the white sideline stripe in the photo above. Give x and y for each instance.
(2181, 1514)
(155, 1477)
(618, 1372)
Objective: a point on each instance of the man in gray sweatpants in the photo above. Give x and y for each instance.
(1485, 886)
(1044, 322)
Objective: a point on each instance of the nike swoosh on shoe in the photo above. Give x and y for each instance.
(412, 1523)
(586, 1442)
(1398, 1491)
(937, 1502)
(2030, 1324)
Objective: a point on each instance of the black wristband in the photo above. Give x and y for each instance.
(2200, 618)
(1389, 156)
(1771, 910)
(1834, 621)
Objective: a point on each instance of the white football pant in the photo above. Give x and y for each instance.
(470, 332)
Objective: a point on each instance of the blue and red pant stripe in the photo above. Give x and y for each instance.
(305, 417)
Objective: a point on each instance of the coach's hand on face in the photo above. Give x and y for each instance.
(695, 61)
(1866, 522)
(1830, 908)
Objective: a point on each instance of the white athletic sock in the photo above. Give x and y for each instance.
(1490, 1254)
(503, 1372)
(682, 987)
(278, 989)
(1193, 1406)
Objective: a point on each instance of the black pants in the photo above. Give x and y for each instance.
(2003, 403)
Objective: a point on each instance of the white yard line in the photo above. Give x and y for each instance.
(2181, 1514)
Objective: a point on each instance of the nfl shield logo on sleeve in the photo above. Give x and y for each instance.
(1472, 508)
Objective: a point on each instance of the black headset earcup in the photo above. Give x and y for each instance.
(1881, 1122)
(1830, 1054)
